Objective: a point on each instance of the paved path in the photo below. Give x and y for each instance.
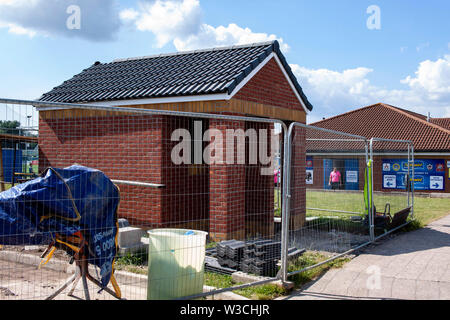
(413, 265)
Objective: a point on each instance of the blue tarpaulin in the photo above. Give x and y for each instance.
(8, 163)
(60, 204)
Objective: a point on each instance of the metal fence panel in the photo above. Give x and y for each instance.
(200, 196)
(177, 174)
(328, 211)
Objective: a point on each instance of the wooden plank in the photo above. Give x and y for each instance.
(12, 137)
(235, 106)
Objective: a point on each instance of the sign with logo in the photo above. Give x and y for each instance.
(351, 176)
(389, 181)
(436, 183)
(428, 174)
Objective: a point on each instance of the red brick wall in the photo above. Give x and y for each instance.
(134, 148)
(269, 86)
(259, 191)
(227, 191)
(298, 177)
(123, 147)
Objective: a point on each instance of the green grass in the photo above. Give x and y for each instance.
(311, 258)
(135, 263)
(262, 292)
(272, 291)
(277, 199)
(426, 210)
(211, 244)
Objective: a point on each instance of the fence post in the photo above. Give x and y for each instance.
(370, 191)
(413, 181)
(285, 203)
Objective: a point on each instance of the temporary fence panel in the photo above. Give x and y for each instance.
(328, 209)
(196, 189)
(164, 204)
(395, 175)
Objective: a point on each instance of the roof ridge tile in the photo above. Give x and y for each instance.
(187, 52)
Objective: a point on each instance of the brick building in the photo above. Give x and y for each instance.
(228, 201)
(430, 136)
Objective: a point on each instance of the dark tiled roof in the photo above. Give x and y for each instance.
(199, 72)
(385, 121)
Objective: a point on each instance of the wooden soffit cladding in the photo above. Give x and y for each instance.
(232, 106)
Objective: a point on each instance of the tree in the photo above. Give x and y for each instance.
(9, 127)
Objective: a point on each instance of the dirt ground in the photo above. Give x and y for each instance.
(26, 282)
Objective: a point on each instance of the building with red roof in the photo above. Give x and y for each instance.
(430, 137)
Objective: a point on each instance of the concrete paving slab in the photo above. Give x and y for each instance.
(444, 290)
(412, 265)
(384, 291)
(404, 289)
(427, 290)
(341, 282)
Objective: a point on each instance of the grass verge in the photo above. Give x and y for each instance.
(311, 258)
(426, 210)
(262, 292)
(272, 291)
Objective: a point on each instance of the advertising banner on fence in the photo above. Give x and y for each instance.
(429, 174)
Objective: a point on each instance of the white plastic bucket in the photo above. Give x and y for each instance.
(176, 263)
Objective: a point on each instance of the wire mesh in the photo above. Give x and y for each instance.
(196, 203)
(393, 185)
(175, 205)
(329, 213)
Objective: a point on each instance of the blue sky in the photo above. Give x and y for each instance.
(340, 63)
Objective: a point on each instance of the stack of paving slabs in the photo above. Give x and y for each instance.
(212, 265)
(258, 257)
(211, 252)
(294, 253)
(261, 257)
(230, 253)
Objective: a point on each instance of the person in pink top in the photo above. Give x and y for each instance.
(335, 179)
(276, 175)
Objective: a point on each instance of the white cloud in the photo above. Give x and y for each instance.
(99, 18)
(432, 79)
(16, 29)
(186, 30)
(210, 36)
(18, 3)
(128, 14)
(333, 92)
(168, 20)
